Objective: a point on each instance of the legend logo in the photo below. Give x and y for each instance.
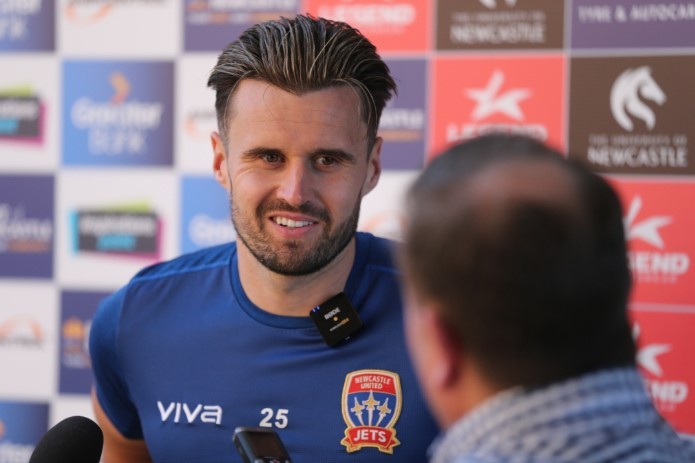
(653, 265)
(476, 96)
(392, 25)
(389, 15)
(491, 101)
(658, 228)
(668, 394)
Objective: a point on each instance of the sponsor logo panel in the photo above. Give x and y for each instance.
(123, 224)
(500, 24)
(403, 120)
(661, 251)
(26, 226)
(96, 27)
(28, 324)
(22, 424)
(77, 311)
(209, 24)
(664, 356)
(118, 113)
(632, 23)
(129, 230)
(633, 114)
(22, 115)
(382, 212)
(205, 215)
(27, 25)
(196, 117)
(391, 25)
(475, 96)
(28, 115)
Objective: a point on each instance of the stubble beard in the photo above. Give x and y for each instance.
(293, 257)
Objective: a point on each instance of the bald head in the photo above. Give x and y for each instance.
(524, 254)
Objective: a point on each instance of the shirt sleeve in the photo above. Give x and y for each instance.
(110, 384)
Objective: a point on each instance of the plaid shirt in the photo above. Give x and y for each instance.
(600, 417)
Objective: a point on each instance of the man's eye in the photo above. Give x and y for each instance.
(326, 161)
(271, 158)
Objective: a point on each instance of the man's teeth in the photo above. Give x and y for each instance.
(291, 223)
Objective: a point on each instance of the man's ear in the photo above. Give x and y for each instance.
(374, 167)
(219, 161)
(450, 356)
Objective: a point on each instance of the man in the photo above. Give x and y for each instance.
(192, 348)
(516, 311)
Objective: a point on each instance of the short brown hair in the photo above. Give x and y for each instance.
(534, 288)
(303, 54)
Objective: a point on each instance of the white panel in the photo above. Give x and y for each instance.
(102, 190)
(28, 340)
(136, 28)
(195, 113)
(382, 209)
(25, 74)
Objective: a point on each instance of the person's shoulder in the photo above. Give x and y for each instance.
(201, 260)
(380, 252)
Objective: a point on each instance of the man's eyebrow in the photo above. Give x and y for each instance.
(335, 153)
(260, 151)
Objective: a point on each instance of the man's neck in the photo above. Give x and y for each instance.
(292, 295)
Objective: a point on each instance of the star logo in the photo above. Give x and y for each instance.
(490, 101)
(648, 229)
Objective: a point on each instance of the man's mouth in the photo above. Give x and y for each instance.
(289, 223)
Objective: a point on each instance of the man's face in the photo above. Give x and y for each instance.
(296, 168)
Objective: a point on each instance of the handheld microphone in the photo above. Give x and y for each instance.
(260, 445)
(74, 440)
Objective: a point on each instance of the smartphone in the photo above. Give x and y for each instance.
(260, 445)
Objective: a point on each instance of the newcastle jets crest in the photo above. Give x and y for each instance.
(371, 405)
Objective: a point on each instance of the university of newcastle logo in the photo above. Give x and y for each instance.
(371, 404)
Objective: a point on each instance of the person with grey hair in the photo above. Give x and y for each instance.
(296, 326)
(516, 311)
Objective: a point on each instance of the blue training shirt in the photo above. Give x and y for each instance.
(182, 357)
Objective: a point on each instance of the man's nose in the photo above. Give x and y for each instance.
(295, 183)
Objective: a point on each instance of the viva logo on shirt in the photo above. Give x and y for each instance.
(371, 404)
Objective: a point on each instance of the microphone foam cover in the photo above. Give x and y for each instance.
(74, 440)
